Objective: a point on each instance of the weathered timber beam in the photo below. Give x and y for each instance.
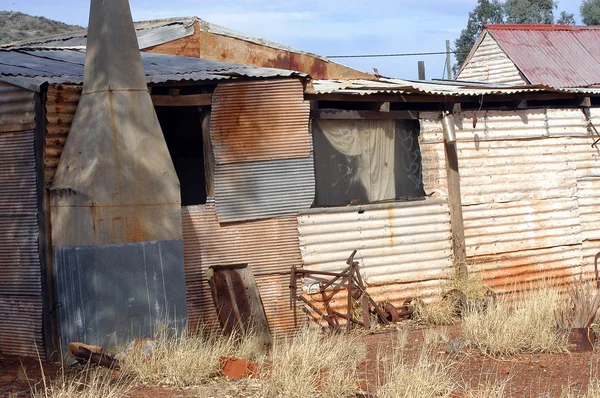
(359, 114)
(182, 100)
(440, 98)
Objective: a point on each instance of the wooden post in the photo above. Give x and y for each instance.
(421, 70)
(448, 60)
(209, 157)
(455, 204)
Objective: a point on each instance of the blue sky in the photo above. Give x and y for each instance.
(331, 27)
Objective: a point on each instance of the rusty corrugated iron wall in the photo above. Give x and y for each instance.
(262, 149)
(489, 63)
(269, 247)
(525, 179)
(21, 302)
(61, 103)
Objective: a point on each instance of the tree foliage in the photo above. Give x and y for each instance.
(529, 11)
(566, 18)
(590, 12)
(486, 12)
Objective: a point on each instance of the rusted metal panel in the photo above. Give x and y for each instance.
(519, 186)
(489, 63)
(397, 243)
(260, 120)
(516, 170)
(61, 103)
(263, 189)
(17, 111)
(269, 247)
(553, 55)
(529, 268)
(492, 228)
(20, 266)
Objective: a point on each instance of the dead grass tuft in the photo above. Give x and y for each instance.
(426, 377)
(314, 363)
(439, 312)
(183, 360)
(527, 325)
(91, 382)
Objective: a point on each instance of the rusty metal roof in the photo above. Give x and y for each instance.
(31, 66)
(436, 87)
(552, 55)
(154, 32)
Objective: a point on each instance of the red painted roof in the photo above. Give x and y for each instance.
(553, 55)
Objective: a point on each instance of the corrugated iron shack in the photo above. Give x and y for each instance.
(41, 88)
(194, 37)
(277, 171)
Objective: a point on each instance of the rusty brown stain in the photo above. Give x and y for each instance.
(260, 120)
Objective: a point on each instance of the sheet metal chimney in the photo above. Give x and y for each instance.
(116, 208)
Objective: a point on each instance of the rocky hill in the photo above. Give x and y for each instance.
(16, 26)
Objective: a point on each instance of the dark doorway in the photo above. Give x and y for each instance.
(182, 128)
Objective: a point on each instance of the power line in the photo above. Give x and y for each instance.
(391, 55)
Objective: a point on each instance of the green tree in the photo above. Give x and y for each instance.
(590, 12)
(566, 18)
(529, 11)
(486, 12)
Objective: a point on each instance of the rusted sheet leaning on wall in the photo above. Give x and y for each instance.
(269, 247)
(20, 267)
(262, 146)
(520, 197)
(61, 103)
(404, 248)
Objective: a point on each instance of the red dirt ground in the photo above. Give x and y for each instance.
(539, 375)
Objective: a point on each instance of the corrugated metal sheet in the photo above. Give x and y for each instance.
(269, 247)
(61, 103)
(16, 108)
(255, 190)
(519, 193)
(553, 55)
(35, 66)
(490, 64)
(20, 268)
(400, 245)
(260, 120)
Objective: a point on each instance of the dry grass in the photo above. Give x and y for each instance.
(435, 337)
(183, 360)
(439, 312)
(593, 391)
(472, 286)
(426, 377)
(91, 382)
(488, 389)
(314, 363)
(527, 325)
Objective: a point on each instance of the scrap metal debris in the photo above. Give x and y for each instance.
(357, 291)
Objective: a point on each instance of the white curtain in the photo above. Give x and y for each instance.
(373, 141)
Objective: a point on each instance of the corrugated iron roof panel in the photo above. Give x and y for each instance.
(260, 120)
(16, 108)
(553, 55)
(35, 66)
(262, 189)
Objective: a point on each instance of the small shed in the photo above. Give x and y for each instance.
(551, 55)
